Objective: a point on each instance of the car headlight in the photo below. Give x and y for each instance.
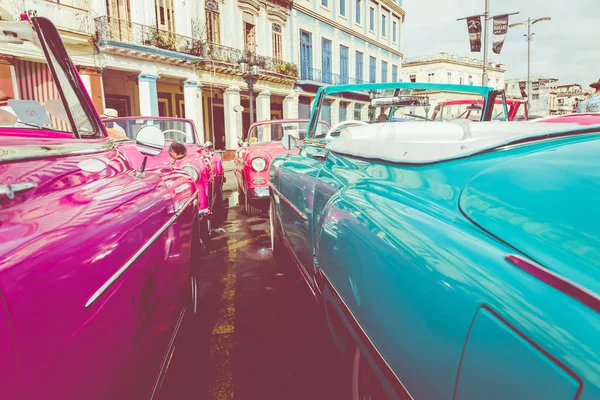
(259, 164)
(190, 169)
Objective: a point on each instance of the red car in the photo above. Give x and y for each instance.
(517, 110)
(253, 159)
(200, 161)
(579, 118)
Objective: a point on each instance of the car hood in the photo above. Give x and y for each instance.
(547, 206)
(267, 150)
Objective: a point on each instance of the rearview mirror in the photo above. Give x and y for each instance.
(150, 140)
(177, 151)
(288, 141)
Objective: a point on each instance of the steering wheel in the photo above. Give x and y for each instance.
(342, 124)
(185, 135)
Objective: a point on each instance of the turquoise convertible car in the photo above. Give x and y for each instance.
(453, 260)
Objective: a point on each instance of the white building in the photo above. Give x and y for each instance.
(344, 41)
(542, 90)
(450, 68)
(566, 98)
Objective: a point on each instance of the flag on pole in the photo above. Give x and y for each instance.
(474, 26)
(500, 29)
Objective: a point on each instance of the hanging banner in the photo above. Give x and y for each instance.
(500, 29)
(474, 26)
(523, 88)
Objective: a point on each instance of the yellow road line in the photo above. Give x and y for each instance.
(221, 344)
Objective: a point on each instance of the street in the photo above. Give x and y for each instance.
(259, 334)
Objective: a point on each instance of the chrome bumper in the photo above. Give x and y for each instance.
(258, 193)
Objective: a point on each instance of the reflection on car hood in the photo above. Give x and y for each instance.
(546, 205)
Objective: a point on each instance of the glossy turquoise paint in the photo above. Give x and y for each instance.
(415, 271)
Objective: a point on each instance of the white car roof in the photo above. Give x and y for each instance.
(428, 142)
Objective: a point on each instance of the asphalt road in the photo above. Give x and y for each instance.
(259, 333)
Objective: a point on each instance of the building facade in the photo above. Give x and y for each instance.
(173, 58)
(543, 91)
(450, 68)
(344, 41)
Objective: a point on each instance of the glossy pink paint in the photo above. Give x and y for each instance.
(86, 217)
(581, 119)
(208, 164)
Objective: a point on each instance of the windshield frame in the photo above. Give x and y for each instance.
(176, 119)
(487, 92)
(255, 125)
(49, 40)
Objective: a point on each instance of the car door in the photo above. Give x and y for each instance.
(86, 273)
(298, 177)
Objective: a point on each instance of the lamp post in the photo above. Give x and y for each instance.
(250, 77)
(529, 38)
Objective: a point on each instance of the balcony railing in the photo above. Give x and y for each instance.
(230, 56)
(109, 28)
(317, 75)
(64, 16)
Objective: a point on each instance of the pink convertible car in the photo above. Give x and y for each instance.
(96, 249)
(200, 161)
(254, 157)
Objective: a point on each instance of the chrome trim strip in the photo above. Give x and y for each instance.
(33, 152)
(560, 283)
(138, 253)
(167, 359)
(289, 203)
(363, 334)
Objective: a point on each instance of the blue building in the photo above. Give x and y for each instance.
(344, 41)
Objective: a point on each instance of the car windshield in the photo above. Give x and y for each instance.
(273, 130)
(44, 94)
(347, 105)
(177, 130)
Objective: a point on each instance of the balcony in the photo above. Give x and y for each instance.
(121, 33)
(114, 31)
(230, 57)
(325, 77)
(75, 18)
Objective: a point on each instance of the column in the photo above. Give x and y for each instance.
(90, 76)
(233, 118)
(263, 106)
(335, 111)
(190, 101)
(9, 89)
(290, 106)
(148, 95)
(350, 111)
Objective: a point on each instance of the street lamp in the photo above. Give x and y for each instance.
(529, 38)
(250, 77)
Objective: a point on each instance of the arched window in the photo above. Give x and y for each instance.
(277, 51)
(213, 22)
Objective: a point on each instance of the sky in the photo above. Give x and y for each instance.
(567, 47)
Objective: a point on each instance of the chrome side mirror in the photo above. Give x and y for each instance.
(150, 141)
(288, 141)
(177, 151)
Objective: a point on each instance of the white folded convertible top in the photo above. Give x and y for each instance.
(427, 142)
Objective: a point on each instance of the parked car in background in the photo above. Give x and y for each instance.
(517, 110)
(254, 157)
(452, 260)
(200, 161)
(96, 251)
(576, 118)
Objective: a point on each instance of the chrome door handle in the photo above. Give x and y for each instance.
(10, 190)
